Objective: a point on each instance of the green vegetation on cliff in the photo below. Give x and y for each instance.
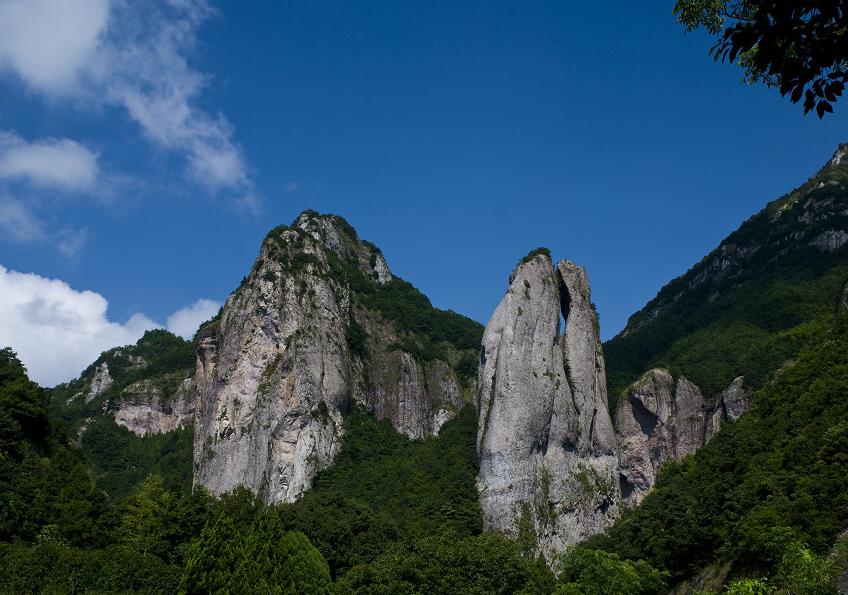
(750, 305)
(773, 483)
(427, 332)
(159, 356)
(118, 458)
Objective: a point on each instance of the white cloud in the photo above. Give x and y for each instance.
(49, 42)
(17, 222)
(185, 321)
(56, 162)
(132, 55)
(71, 242)
(57, 331)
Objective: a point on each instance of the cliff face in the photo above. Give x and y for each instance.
(145, 387)
(662, 419)
(295, 347)
(546, 443)
(144, 407)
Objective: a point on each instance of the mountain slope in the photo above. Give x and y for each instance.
(775, 478)
(131, 412)
(753, 302)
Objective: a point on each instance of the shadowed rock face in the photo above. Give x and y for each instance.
(277, 372)
(546, 442)
(662, 419)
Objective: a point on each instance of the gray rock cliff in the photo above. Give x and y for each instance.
(100, 382)
(145, 408)
(662, 419)
(293, 350)
(545, 438)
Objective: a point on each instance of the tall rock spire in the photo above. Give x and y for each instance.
(546, 443)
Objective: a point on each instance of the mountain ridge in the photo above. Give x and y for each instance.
(765, 283)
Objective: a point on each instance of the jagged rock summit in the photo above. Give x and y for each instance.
(665, 419)
(317, 327)
(547, 448)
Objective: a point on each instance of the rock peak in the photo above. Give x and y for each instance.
(340, 237)
(839, 155)
(293, 350)
(547, 448)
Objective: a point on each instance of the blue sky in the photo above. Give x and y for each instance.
(149, 147)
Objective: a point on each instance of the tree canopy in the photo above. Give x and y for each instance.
(798, 46)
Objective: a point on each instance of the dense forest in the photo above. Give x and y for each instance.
(391, 516)
(763, 504)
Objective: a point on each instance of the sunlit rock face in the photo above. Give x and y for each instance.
(547, 448)
(281, 367)
(100, 382)
(144, 408)
(663, 419)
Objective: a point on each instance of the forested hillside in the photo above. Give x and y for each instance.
(751, 304)
(768, 496)
(392, 516)
(86, 408)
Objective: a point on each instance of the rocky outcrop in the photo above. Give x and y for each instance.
(145, 408)
(292, 351)
(662, 419)
(101, 380)
(545, 438)
(830, 240)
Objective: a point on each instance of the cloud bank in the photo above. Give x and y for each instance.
(57, 331)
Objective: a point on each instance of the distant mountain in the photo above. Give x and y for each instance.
(752, 303)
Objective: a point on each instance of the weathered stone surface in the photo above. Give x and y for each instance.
(277, 373)
(337, 236)
(735, 399)
(100, 382)
(144, 409)
(830, 240)
(662, 419)
(547, 448)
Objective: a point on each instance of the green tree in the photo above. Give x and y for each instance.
(23, 410)
(749, 586)
(487, 563)
(798, 46)
(594, 572)
(212, 560)
(802, 572)
(147, 523)
(262, 559)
